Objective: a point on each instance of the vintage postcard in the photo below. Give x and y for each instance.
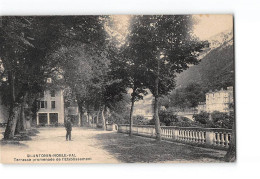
(117, 89)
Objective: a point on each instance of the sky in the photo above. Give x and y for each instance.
(206, 25)
(210, 25)
(120, 28)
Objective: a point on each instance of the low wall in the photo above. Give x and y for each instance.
(205, 137)
(111, 127)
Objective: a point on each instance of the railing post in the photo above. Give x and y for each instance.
(210, 137)
(206, 136)
(37, 119)
(174, 134)
(222, 140)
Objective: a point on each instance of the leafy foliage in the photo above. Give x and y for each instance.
(223, 120)
(202, 117)
(167, 37)
(140, 120)
(219, 119)
(182, 98)
(163, 46)
(120, 111)
(167, 117)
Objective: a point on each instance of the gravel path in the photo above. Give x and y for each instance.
(51, 143)
(97, 146)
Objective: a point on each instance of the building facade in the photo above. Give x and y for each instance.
(51, 108)
(219, 100)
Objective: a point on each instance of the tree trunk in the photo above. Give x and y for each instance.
(81, 110)
(156, 96)
(91, 120)
(231, 153)
(131, 113)
(157, 120)
(81, 118)
(27, 115)
(89, 123)
(98, 115)
(22, 118)
(103, 117)
(11, 124)
(22, 122)
(18, 123)
(13, 110)
(81, 114)
(87, 118)
(29, 124)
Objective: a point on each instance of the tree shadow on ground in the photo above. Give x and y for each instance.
(145, 150)
(23, 136)
(12, 143)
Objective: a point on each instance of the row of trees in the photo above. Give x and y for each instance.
(96, 72)
(25, 43)
(92, 67)
(28, 47)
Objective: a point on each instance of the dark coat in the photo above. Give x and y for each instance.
(68, 126)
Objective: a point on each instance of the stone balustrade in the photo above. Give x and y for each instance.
(111, 127)
(205, 137)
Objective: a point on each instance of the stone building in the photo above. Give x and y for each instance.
(51, 108)
(218, 100)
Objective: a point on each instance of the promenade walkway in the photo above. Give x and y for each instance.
(98, 146)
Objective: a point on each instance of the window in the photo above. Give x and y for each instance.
(52, 93)
(43, 118)
(53, 104)
(43, 104)
(53, 118)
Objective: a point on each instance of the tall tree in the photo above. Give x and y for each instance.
(25, 44)
(135, 77)
(15, 44)
(165, 46)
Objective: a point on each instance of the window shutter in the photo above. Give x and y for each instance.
(45, 104)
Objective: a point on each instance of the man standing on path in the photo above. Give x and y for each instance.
(68, 127)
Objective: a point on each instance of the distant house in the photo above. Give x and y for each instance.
(217, 101)
(51, 108)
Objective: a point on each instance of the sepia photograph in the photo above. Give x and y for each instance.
(117, 89)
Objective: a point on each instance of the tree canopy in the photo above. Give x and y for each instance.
(163, 46)
(90, 63)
